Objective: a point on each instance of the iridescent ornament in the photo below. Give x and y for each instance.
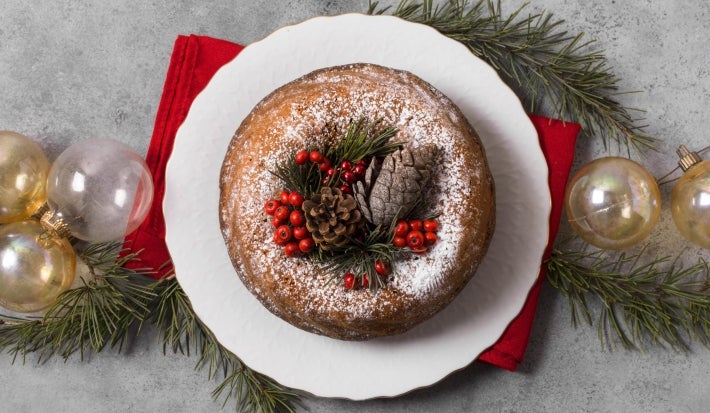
(690, 200)
(34, 268)
(613, 203)
(23, 177)
(101, 190)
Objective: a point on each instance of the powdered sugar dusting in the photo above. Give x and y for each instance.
(294, 118)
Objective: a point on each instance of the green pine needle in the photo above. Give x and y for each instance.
(111, 307)
(304, 179)
(181, 330)
(659, 302)
(364, 140)
(532, 52)
(102, 311)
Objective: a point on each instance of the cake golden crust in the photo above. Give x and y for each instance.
(314, 110)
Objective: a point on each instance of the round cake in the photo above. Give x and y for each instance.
(316, 112)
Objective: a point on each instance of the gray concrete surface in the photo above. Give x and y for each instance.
(80, 69)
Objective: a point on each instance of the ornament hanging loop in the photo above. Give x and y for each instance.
(687, 158)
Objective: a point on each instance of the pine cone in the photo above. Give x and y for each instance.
(392, 189)
(331, 217)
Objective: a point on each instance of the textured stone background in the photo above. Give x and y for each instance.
(80, 69)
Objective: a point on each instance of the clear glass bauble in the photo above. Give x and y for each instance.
(34, 268)
(101, 189)
(23, 177)
(613, 203)
(690, 204)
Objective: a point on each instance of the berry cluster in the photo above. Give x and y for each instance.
(382, 269)
(416, 234)
(289, 222)
(342, 176)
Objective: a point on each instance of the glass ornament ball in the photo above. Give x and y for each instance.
(613, 203)
(34, 268)
(690, 204)
(101, 189)
(23, 177)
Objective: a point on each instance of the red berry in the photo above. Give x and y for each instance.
(278, 240)
(302, 157)
(296, 218)
(359, 170)
(306, 245)
(283, 196)
(362, 162)
(430, 225)
(346, 189)
(429, 238)
(325, 180)
(349, 280)
(381, 268)
(401, 229)
(400, 242)
(330, 171)
(315, 157)
(284, 233)
(277, 222)
(282, 213)
(295, 199)
(415, 239)
(271, 205)
(365, 281)
(415, 225)
(325, 165)
(292, 250)
(346, 166)
(348, 177)
(300, 232)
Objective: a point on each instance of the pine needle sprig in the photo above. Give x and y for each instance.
(660, 302)
(360, 255)
(182, 331)
(102, 311)
(364, 140)
(304, 179)
(532, 52)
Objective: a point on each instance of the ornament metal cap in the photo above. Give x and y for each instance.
(687, 158)
(54, 225)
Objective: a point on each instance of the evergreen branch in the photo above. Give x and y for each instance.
(640, 302)
(363, 140)
(533, 53)
(181, 330)
(103, 310)
(360, 255)
(304, 179)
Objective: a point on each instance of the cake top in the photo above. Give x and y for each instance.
(314, 114)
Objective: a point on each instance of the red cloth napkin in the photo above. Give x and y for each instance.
(196, 58)
(557, 140)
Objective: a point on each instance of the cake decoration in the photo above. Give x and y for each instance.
(356, 193)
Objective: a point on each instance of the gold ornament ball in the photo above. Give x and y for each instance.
(23, 177)
(690, 204)
(34, 269)
(613, 203)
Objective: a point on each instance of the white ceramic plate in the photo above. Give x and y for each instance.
(381, 367)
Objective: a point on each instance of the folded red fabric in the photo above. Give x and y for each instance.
(557, 140)
(194, 61)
